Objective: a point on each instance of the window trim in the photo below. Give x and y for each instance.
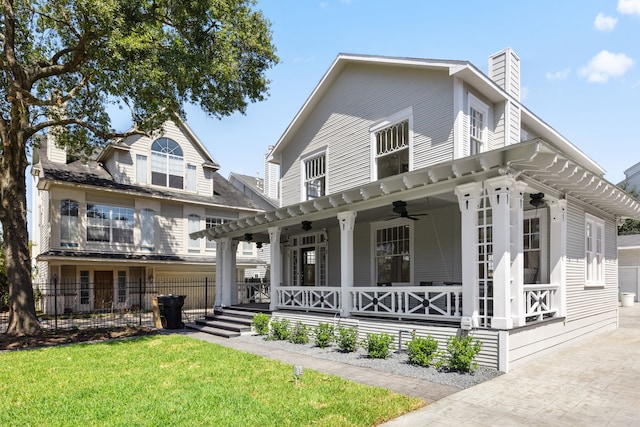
(191, 177)
(322, 152)
(111, 227)
(147, 246)
(482, 108)
(193, 245)
(392, 120)
(70, 243)
(598, 282)
(541, 214)
(400, 222)
(142, 174)
(166, 155)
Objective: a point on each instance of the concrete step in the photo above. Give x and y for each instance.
(229, 326)
(213, 331)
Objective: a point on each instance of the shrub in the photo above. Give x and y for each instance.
(423, 351)
(461, 354)
(280, 329)
(300, 334)
(325, 334)
(378, 345)
(261, 323)
(348, 339)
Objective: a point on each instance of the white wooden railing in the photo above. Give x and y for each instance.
(312, 298)
(250, 292)
(540, 301)
(423, 302)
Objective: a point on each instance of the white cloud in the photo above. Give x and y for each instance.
(629, 7)
(605, 23)
(606, 65)
(559, 75)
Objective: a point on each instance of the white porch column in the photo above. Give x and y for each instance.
(558, 254)
(226, 283)
(469, 199)
(276, 265)
(347, 222)
(517, 257)
(499, 189)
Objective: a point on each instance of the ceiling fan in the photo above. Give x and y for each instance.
(400, 207)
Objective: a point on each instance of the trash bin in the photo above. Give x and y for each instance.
(626, 299)
(171, 310)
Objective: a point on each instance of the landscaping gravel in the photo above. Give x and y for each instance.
(397, 363)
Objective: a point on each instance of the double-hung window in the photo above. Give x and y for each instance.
(392, 149)
(193, 226)
(109, 224)
(167, 163)
(141, 169)
(69, 223)
(478, 126)
(315, 177)
(191, 177)
(212, 221)
(392, 253)
(147, 229)
(594, 251)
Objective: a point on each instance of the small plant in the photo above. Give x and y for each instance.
(461, 354)
(280, 330)
(261, 323)
(348, 339)
(325, 334)
(300, 334)
(378, 345)
(423, 351)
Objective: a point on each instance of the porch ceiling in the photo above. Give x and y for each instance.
(433, 186)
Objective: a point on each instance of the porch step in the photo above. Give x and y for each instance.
(228, 322)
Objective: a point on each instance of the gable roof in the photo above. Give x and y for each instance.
(209, 161)
(92, 175)
(463, 70)
(252, 183)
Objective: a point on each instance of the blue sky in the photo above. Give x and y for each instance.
(579, 63)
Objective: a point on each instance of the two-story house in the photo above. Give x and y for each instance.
(421, 194)
(124, 217)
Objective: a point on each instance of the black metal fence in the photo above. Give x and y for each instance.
(70, 304)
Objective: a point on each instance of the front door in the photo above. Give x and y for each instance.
(103, 290)
(308, 266)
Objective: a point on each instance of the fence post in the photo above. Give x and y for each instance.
(55, 301)
(206, 294)
(140, 302)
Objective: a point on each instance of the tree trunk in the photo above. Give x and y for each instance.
(13, 215)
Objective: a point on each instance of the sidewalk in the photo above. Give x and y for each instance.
(593, 383)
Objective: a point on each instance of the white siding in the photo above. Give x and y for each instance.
(170, 233)
(360, 97)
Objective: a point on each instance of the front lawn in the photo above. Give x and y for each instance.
(176, 380)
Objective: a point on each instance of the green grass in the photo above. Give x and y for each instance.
(175, 380)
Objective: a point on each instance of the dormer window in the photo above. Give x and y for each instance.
(478, 116)
(315, 177)
(391, 141)
(167, 163)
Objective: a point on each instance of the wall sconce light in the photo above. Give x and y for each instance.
(306, 225)
(259, 245)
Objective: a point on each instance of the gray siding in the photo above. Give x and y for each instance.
(359, 98)
(488, 355)
(437, 246)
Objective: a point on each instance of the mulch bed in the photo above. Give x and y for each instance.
(70, 336)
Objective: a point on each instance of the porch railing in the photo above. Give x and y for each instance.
(254, 292)
(309, 298)
(540, 301)
(424, 302)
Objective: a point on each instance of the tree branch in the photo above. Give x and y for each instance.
(74, 121)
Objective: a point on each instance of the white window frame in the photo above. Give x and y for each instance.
(319, 243)
(72, 223)
(191, 178)
(401, 222)
(110, 223)
(397, 118)
(147, 229)
(142, 169)
(319, 156)
(168, 162)
(543, 269)
(482, 108)
(193, 225)
(594, 257)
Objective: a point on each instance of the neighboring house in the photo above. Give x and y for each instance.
(632, 179)
(629, 264)
(125, 216)
(254, 188)
(421, 194)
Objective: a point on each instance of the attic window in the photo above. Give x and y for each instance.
(392, 149)
(167, 163)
